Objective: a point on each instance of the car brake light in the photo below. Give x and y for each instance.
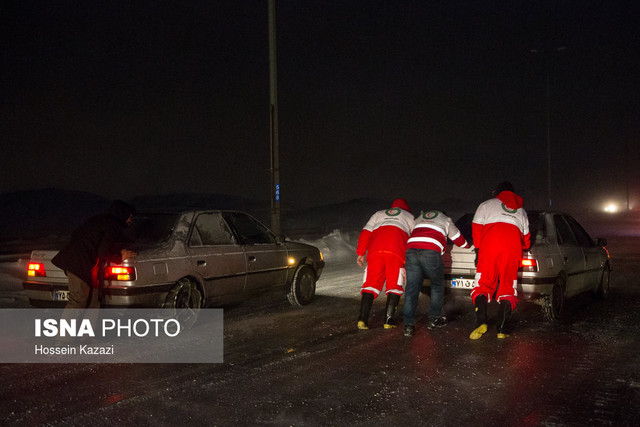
(528, 264)
(36, 269)
(121, 273)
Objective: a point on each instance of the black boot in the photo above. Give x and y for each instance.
(481, 317)
(365, 308)
(392, 305)
(504, 312)
(481, 309)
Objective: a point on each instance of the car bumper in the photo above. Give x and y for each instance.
(44, 295)
(529, 288)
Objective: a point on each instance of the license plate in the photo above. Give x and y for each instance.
(462, 283)
(61, 296)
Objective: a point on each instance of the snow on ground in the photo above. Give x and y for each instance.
(11, 276)
(336, 246)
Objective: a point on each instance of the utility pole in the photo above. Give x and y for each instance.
(626, 169)
(273, 115)
(548, 130)
(547, 60)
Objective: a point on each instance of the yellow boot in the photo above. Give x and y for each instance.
(477, 332)
(392, 305)
(365, 307)
(480, 304)
(504, 312)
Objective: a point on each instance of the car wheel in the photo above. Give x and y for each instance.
(553, 304)
(303, 286)
(185, 294)
(603, 288)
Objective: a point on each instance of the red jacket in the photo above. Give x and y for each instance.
(501, 222)
(387, 231)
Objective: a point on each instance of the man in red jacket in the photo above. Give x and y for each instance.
(500, 232)
(383, 240)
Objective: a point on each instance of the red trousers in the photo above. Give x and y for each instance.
(384, 267)
(497, 273)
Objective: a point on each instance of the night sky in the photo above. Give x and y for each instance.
(420, 99)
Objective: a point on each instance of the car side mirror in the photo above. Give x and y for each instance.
(601, 242)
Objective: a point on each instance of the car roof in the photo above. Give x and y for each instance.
(179, 211)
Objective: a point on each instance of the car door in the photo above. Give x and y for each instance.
(592, 254)
(571, 255)
(266, 258)
(216, 256)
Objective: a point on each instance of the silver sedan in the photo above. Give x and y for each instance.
(563, 261)
(191, 259)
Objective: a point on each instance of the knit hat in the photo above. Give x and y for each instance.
(401, 203)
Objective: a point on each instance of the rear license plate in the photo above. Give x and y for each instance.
(61, 296)
(462, 283)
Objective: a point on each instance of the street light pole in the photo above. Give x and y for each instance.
(547, 60)
(273, 116)
(626, 169)
(548, 132)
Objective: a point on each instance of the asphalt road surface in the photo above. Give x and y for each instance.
(287, 365)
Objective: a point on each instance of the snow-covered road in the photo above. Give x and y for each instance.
(309, 365)
(12, 274)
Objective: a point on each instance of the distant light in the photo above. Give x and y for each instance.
(292, 260)
(611, 208)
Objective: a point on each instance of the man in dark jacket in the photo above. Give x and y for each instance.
(93, 243)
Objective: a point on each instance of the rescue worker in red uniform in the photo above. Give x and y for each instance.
(500, 232)
(383, 240)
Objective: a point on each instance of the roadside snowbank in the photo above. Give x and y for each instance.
(336, 246)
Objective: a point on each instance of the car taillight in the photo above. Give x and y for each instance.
(121, 273)
(36, 269)
(528, 264)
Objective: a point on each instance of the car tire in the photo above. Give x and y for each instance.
(302, 288)
(602, 292)
(184, 294)
(553, 305)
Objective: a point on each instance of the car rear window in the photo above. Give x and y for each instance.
(537, 229)
(149, 229)
(464, 225)
(536, 226)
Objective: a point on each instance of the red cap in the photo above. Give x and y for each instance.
(401, 203)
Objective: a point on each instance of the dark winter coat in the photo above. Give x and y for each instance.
(99, 238)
